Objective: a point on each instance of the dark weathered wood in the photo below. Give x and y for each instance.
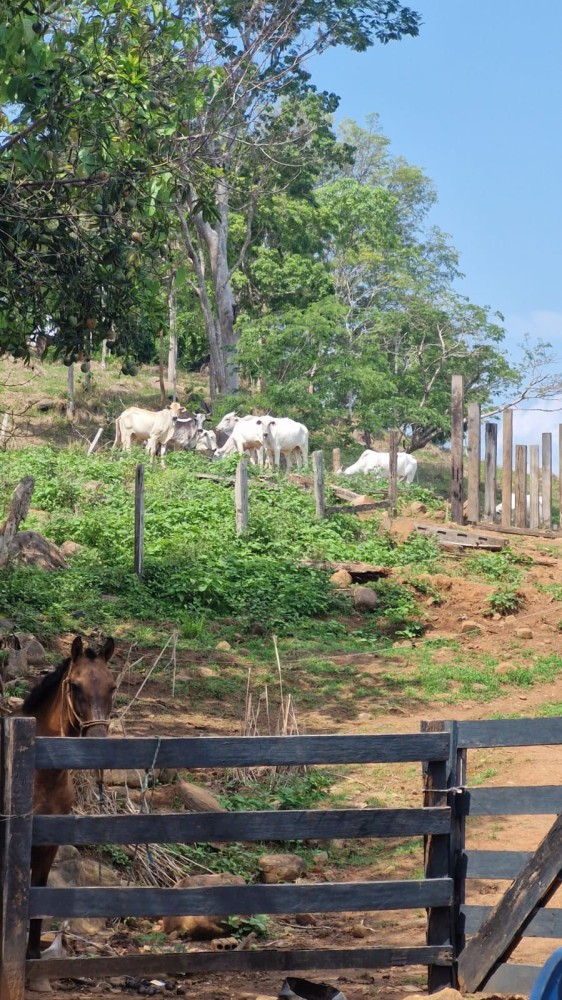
(393, 438)
(436, 850)
(507, 466)
(520, 486)
(318, 471)
(513, 978)
(546, 923)
(519, 531)
(358, 509)
(231, 899)
(360, 571)
(16, 805)
(344, 494)
(265, 960)
(495, 864)
(546, 520)
(513, 801)
(534, 455)
(241, 496)
(336, 459)
(491, 470)
(486, 948)
(457, 420)
(139, 518)
(289, 824)
(456, 778)
(236, 751)
(474, 448)
(510, 733)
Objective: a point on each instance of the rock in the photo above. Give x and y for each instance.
(306, 920)
(70, 548)
(34, 651)
(205, 672)
(276, 868)
(71, 869)
(121, 777)
(439, 515)
(440, 581)
(320, 860)
(496, 617)
(223, 646)
(415, 508)
(29, 548)
(364, 598)
(523, 633)
(470, 626)
(201, 928)
(197, 799)
(359, 931)
(14, 703)
(341, 579)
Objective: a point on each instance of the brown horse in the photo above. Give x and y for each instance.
(73, 700)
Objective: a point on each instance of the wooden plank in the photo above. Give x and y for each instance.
(344, 494)
(519, 531)
(513, 978)
(241, 496)
(16, 806)
(534, 452)
(546, 521)
(547, 923)
(236, 751)
(454, 536)
(336, 460)
(491, 470)
(139, 518)
(495, 864)
(513, 801)
(247, 899)
(359, 570)
(436, 851)
(457, 419)
(392, 470)
(358, 509)
(520, 486)
(318, 471)
(502, 928)
(92, 447)
(474, 449)
(510, 733)
(286, 824)
(263, 960)
(507, 466)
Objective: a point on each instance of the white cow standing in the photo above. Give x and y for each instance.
(162, 431)
(379, 461)
(246, 436)
(283, 436)
(136, 424)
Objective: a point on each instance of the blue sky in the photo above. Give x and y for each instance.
(475, 99)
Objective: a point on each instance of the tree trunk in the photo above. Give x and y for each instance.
(161, 370)
(173, 346)
(19, 507)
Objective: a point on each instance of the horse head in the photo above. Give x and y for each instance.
(88, 690)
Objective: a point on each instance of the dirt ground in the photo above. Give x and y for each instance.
(153, 712)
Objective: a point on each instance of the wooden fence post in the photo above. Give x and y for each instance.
(104, 353)
(139, 518)
(534, 517)
(507, 467)
(336, 459)
(546, 519)
(437, 863)
(520, 486)
(17, 763)
(241, 496)
(473, 505)
(392, 470)
(318, 472)
(491, 461)
(457, 417)
(70, 407)
(93, 445)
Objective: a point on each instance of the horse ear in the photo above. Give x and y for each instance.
(76, 649)
(108, 649)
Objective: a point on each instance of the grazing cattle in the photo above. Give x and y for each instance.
(379, 461)
(163, 429)
(283, 436)
(206, 442)
(246, 436)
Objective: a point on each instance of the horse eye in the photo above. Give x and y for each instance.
(76, 688)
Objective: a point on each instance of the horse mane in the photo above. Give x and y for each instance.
(49, 684)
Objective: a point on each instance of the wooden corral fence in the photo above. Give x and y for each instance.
(525, 492)
(388, 503)
(464, 937)
(22, 752)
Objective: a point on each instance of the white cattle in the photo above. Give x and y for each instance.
(162, 431)
(246, 436)
(136, 424)
(206, 442)
(379, 461)
(499, 507)
(283, 436)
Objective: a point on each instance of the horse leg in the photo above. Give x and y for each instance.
(41, 862)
